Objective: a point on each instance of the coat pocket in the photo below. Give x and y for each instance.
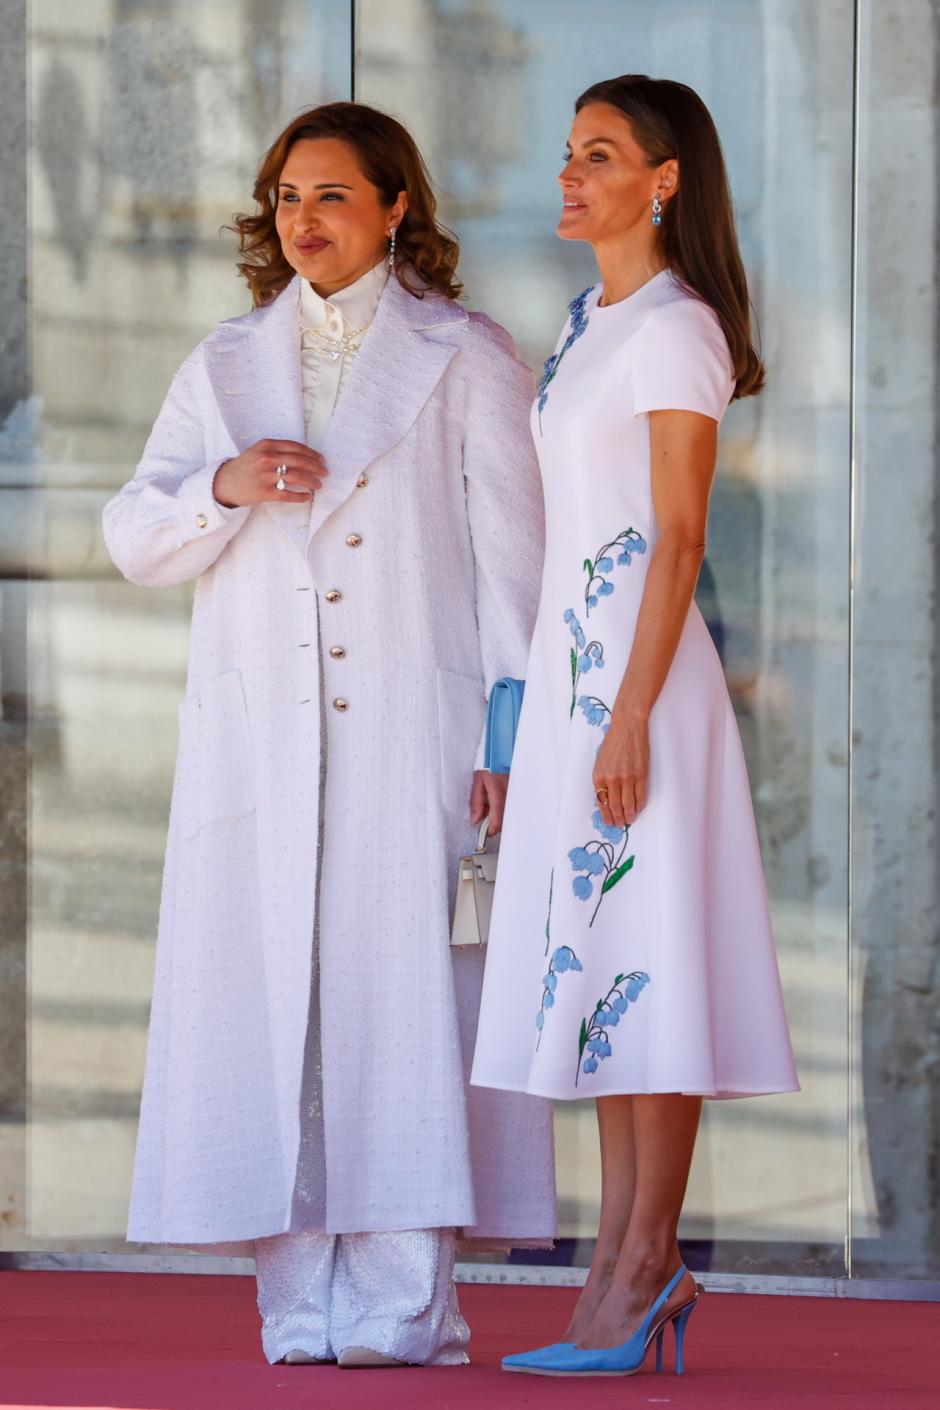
(215, 776)
(461, 714)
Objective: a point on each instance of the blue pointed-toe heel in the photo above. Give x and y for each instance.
(566, 1359)
(535, 1361)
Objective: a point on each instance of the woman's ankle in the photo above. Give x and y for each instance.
(604, 1261)
(649, 1261)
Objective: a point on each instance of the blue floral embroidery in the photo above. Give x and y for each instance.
(584, 655)
(627, 542)
(575, 628)
(595, 711)
(600, 859)
(578, 324)
(562, 960)
(625, 990)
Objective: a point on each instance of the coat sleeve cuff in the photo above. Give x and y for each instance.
(200, 512)
(481, 752)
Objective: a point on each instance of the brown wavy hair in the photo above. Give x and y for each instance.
(698, 239)
(426, 252)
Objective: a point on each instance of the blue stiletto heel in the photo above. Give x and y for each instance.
(565, 1359)
(678, 1325)
(678, 1320)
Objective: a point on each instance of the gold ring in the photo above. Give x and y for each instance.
(606, 797)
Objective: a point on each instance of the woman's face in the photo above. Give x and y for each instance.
(329, 218)
(606, 183)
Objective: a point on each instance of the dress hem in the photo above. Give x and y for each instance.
(712, 1095)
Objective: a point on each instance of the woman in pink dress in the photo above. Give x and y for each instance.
(631, 957)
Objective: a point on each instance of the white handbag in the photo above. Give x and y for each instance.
(476, 878)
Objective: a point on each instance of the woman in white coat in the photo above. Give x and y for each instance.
(347, 473)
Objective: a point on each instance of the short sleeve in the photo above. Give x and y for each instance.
(682, 361)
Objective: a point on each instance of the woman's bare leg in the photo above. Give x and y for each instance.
(664, 1131)
(615, 1127)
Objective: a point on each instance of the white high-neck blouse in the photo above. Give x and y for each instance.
(322, 376)
(346, 312)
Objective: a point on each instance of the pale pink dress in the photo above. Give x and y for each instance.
(641, 961)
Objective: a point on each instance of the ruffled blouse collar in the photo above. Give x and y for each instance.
(355, 305)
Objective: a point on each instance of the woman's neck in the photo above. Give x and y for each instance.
(326, 291)
(626, 265)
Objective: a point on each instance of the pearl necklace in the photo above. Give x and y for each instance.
(333, 348)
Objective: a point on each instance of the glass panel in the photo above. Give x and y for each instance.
(895, 1148)
(488, 91)
(147, 119)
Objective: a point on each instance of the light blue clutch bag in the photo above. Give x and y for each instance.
(502, 721)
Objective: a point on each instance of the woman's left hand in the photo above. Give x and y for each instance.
(488, 795)
(622, 769)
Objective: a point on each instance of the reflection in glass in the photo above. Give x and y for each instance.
(146, 119)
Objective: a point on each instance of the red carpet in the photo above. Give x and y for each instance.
(120, 1341)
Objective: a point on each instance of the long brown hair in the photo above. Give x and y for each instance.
(698, 238)
(426, 252)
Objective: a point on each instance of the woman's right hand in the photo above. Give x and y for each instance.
(251, 478)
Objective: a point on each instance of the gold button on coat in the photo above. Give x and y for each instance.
(334, 595)
(201, 521)
(337, 652)
(340, 704)
(354, 540)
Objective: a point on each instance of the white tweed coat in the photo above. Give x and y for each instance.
(432, 468)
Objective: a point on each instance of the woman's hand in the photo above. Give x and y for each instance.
(682, 464)
(622, 768)
(251, 478)
(488, 795)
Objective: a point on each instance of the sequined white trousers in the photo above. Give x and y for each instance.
(321, 1293)
(394, 1293)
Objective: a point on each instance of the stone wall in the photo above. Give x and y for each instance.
(895, 1052)
(14, 386)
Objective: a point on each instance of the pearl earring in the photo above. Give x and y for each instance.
(657, 211)
(391, 249)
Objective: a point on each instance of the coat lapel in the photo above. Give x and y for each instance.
(254, 367)
(394, 374)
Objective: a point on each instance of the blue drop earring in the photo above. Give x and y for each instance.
(657, 211)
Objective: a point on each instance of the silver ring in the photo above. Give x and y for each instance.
(280, 483)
